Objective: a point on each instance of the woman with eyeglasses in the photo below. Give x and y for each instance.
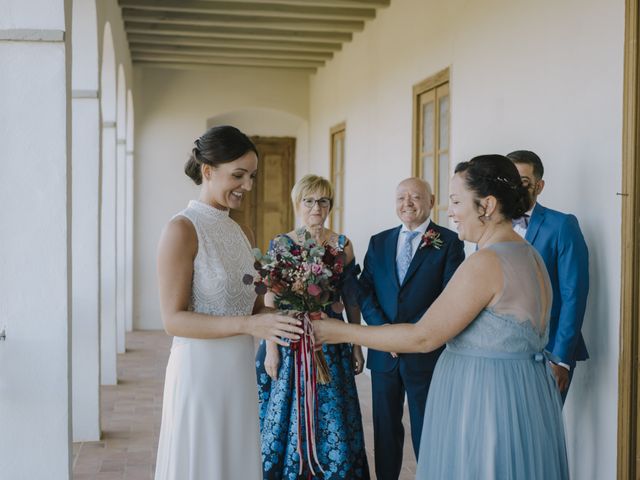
(339, 435)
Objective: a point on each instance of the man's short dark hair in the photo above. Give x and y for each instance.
(529, 158)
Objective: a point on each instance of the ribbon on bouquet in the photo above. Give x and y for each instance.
(306, 387)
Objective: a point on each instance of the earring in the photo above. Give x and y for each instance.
(487, 216)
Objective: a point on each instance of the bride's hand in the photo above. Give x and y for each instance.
(272, 326)
(324, 331)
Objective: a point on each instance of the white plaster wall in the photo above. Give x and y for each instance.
(172, 109)
(38, 15)
(35, 247)
(271, 123)
(85, 72)
(546, 76)
(109, 11)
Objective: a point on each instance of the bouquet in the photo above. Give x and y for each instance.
(304, 278)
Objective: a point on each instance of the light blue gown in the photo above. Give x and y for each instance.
(494, 411)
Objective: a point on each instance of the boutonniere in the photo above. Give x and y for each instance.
(431, 239)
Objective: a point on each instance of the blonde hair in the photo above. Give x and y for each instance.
(311, 184)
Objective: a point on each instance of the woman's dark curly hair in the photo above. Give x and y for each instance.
(216, 146)
(497, 176)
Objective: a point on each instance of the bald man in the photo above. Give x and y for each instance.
(404, 272)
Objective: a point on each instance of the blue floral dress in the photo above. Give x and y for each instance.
(339, 435)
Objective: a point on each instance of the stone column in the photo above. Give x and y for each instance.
(35, 243)
(86, 265)
(108, 295)
(129, 203)
(120, 243)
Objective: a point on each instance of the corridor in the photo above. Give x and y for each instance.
(131, 417)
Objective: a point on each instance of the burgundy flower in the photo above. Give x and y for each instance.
(431, 239)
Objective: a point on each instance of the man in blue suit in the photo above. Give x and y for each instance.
(405, 269)
(558, 239)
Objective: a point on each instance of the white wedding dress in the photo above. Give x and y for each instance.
(210, 427)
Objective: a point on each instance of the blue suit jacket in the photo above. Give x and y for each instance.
(558, 239)
(383, 300)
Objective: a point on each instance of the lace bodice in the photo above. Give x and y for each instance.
(518, 321)
(224, 256)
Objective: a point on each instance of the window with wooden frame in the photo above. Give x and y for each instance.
(431, 120)
(336, 172)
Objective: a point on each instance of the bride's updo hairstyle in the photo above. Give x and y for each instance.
(216, 146)
(497, 176)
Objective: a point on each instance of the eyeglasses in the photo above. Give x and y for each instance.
(311, 202)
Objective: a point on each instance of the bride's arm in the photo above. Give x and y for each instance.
(473, 287)
(176, 252)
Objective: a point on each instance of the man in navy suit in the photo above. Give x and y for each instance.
(558, 239)
(404, 272)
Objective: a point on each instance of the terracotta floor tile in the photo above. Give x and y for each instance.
(131, 417)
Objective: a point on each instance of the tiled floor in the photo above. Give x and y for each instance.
(131, 417)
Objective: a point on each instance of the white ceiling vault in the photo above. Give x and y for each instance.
(289, 34)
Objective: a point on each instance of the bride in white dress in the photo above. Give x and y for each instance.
(210, 428)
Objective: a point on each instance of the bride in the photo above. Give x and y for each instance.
(210, 413)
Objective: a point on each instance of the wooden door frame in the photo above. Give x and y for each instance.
(338, 189)
(628, 375)
(290, 143)
(433, 82)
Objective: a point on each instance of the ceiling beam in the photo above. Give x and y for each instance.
(216, 66)
(252, 9)
(234, 32)
(221, 42)
(228, 52)
(207, 20)
(219, 60)
(331, 3)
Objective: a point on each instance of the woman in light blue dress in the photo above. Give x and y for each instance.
(493, 410)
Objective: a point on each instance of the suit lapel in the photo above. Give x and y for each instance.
(391, 250)
(421, 254)
(537, 218)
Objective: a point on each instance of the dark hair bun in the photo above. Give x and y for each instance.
(497, 176)
(218, 145)
(192, 168)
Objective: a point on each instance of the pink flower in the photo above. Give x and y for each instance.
(314, 290)
(316, 269)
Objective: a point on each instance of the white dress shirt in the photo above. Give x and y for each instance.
(416, 241)
(523, 231)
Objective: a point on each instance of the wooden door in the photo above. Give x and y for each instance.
(268, 210)
(336, 217)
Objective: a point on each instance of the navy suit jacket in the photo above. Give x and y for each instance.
(558, 239)
(383, 300)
